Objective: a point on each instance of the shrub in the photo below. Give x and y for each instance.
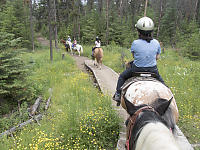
(13, 73)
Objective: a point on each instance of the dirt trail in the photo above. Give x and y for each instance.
(42, 40)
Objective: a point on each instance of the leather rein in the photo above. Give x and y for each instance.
(131, 123)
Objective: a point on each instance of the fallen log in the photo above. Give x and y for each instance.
(47, 103)
(20, 126)
(32, 113)
(35, 106)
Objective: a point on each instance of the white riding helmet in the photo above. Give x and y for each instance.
(145, 24)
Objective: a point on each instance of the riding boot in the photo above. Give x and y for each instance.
(92, 55)
(117, 98)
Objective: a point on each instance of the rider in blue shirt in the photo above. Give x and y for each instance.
(69, 39)
(145, 51)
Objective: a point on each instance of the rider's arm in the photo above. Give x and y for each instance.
(158, 52)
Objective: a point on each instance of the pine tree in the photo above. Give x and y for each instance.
(13, 73)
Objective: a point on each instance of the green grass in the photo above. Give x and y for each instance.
(79, 116)
(183, 77)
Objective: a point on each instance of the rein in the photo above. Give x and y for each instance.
(131, 123)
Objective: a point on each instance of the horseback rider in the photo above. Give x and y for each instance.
(74, 43)
(68, 38)
(97, 45)
(145, 51)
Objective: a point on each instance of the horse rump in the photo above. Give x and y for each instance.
(146, 90)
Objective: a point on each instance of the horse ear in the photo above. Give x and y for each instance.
(131, 108)
(162, 108)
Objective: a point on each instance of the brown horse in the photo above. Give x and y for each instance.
(98, 57)
(67, 45)
(62, 41)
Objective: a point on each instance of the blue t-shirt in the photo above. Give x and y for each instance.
(145, 53)
(69, 39)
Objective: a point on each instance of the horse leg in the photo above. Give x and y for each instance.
(79, 52)
(95, 62)
(71, 51)
(97, 59)
(99, 63)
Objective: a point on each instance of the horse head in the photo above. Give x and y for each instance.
(146, 122)
(160, 106)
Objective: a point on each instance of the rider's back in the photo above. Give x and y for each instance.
(145, 52)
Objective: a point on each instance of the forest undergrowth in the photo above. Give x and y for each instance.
(79, 117)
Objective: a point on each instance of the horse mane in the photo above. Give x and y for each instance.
(156, 136)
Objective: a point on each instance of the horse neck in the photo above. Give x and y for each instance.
(156, 136)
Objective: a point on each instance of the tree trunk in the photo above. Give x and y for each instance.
(31, 25)
(90, 5)
(121, 11)
(198, 13)
(160, 16)
(145, 9)
(195, 9)
(107, 22)
(55, 26)
(133, 10)
(79, 26)
(50, 30)
(100, 6)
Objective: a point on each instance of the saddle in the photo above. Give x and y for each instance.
(139, 76)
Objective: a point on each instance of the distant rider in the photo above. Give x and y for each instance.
(74, 44)
(68, 40)
(145, 51)
(97, 45)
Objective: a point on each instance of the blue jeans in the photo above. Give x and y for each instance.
(128, 73)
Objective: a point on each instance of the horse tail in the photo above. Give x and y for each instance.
(100, 52)
(81, 49)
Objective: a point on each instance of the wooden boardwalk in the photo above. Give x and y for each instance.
(107, 80)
